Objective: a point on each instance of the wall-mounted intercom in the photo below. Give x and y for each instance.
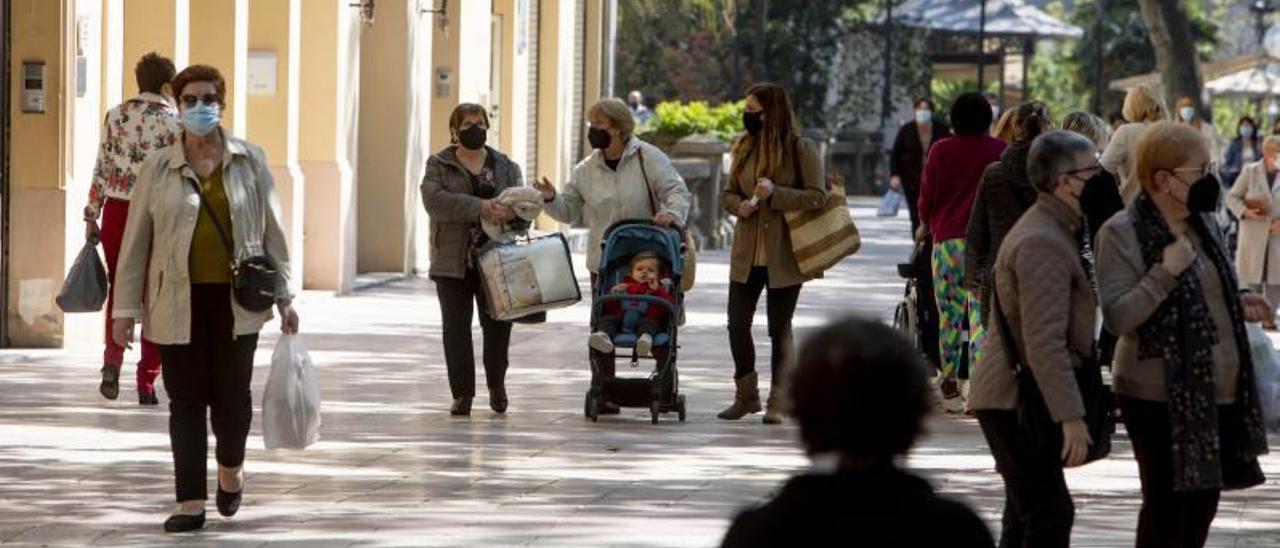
(33, 86)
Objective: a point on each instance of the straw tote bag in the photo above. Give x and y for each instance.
(822, 237)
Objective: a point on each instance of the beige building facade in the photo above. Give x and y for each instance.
(347, 97)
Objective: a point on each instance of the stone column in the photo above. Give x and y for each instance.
(220, 38)
(275, 30)
(329, 94)
(153, 25)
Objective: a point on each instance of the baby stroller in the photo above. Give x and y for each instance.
(916, 317)
(659, 390)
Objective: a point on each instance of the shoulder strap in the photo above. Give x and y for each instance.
(208, 211)
(1006, 334)
(653, 203)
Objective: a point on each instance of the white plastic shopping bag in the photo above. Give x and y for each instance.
(1266, 375)
(291, 401)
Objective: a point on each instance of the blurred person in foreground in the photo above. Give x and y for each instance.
(860, 395)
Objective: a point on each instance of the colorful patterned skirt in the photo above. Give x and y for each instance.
(959, 313)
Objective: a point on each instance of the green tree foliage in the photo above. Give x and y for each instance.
(706, 50)
(1126, 49)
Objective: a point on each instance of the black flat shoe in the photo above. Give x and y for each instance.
(110, 387)
(228, 503)
(182, 523)
(148, 398)
(461, 407)
(498, 400)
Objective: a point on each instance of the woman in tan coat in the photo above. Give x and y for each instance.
(1182, 369)
(774, 170)
(1255, 200)
(200, 206)
(1044, 298)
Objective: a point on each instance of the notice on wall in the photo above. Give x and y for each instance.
(261, 71)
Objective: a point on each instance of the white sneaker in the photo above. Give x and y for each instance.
(600, 342)
(644, 345)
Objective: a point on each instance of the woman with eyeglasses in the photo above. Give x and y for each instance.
(1182, 370)
(200, 206)
(1255, 200)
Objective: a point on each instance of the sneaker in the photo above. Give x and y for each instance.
(600, 342)
(110, 387)
(644, 345)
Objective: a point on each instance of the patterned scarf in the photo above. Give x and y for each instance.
(1182, 334)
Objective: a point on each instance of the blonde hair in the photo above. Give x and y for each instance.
(1007, 126)
(1090, 126)
(1144, 103)
(1271, 142)
(1166, 146)
(617, 113)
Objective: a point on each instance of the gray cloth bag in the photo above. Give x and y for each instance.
(86, 287)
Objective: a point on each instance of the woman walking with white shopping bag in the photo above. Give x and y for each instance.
(205, 244)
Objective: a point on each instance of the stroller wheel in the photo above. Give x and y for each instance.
(653, 412)
(680, 407)
(590, 409)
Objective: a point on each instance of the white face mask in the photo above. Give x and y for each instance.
(1187, 113)
(924, 116)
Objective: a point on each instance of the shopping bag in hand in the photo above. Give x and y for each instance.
(1266, 375)
(86, 287)
(889, 204)
(291, 400)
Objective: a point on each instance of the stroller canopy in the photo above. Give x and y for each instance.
(626, 238)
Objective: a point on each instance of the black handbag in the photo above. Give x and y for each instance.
(253, 280)
(1033, 414)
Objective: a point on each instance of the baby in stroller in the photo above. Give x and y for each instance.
(636, 317)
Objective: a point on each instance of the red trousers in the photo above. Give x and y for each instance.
(114, 215)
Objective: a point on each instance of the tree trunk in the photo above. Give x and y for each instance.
(1170, 33)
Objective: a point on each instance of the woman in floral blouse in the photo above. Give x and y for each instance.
(132, 132)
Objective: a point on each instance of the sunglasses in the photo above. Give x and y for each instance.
(209, 99)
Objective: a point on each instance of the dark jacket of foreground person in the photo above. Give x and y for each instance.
(875, 507)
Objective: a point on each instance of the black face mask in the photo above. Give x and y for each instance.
(599, 138)
(473, 137)
(1203, 196)
(753, 122)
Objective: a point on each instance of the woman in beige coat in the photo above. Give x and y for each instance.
(774, 170)
(1251, 200)
(1143, 106)
(200, 205)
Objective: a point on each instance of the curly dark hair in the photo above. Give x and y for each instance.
(859, 389)
(971, 114)
(152, 72)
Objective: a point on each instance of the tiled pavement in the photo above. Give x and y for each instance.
(393, 469)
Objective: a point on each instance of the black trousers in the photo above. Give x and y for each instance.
(1038, 511)
(1168, 519)
(456, 297)
(211, 372)
(781, 307)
